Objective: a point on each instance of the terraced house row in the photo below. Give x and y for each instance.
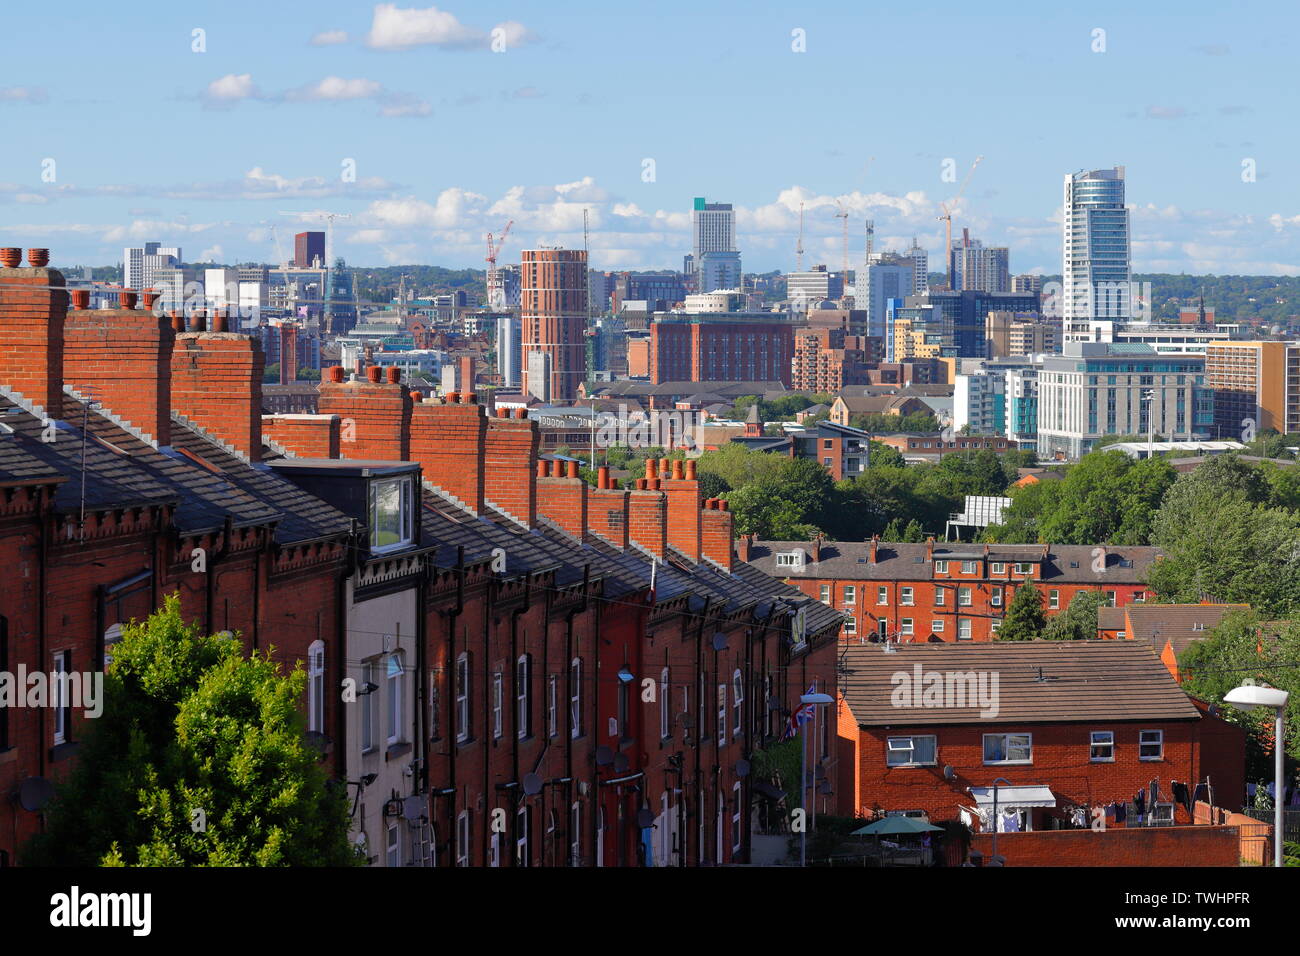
(945, 591)
(547, 673)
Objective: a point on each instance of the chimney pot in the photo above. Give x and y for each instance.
(394, 375)
(651, 468)
(11, 257)
(453, 398)
(196, 322)
(81, 298)
(374, 374)
(690, 471)
(178, 321)
(543, 468)
(521, 413)
(416, 397)
(147, 299)
(602, 476)
(573, 469)
(38, 258)
(336, 373)
(220, 322)
(126, 298)
(471, 399)
(679, 473)
(557, 468)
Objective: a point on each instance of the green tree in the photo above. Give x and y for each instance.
(880, 455)
(189, 724)
(1078, 622)
(893, 531)
(737, 465)
(1025, 617)
(271, 373)
(913, 533)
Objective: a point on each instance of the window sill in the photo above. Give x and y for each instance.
(1008, 763)
(1151, 759)
(1101, 760)
(397, 750)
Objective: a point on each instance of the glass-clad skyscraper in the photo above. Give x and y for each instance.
(1096, 272)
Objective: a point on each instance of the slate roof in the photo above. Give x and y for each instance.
(1178, 624)
(203, 480)
(850, 560)
(1038, 682)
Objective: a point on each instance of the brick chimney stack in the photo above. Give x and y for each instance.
(375, 415)
(684, 514)
(123, 358)
(509, 465)
(716, 535)
(875, 547)
(33, 308)
(217, 384)
(562, 497)
(448, 440)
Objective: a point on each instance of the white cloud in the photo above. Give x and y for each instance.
(329, 38)
(213, 253)
(23, 94)
(231, 88)
(514, 33)
(337, 88)
(396, 28)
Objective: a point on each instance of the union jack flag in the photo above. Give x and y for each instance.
(800, 716)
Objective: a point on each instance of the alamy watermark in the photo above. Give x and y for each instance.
(946, 689)
(658, 429)
(62, 689)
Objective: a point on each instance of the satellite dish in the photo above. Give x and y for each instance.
(620, 763)
(719, 641)
(688, 721)
(742, 768)
(413, 808)
(626, 676)
(604, 756)
(532, 784)
(948, 772)
(34, 793)
(644, 818)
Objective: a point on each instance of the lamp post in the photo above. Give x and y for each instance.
(1248, 697)
(807, 700)
(1149, 396)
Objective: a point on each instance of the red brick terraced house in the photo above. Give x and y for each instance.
(548, 673)
(949, 592)
(1074, 725)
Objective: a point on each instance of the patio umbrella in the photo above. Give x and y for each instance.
(895, 826)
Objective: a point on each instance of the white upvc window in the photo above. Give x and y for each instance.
(824, 593)
(722, 714)
(941, 567)
(997, 567)
(1024, 569)
(963, 629)
(575, 697)
(394, 693)
(937, 625)
(940, 596)
(497, 728)
(523, 827)
(905, 596)
(969, 567)
(850, 594)
(60, 698)
(552, 705)
(964, 597)
(882, 595)
(1101, 746)
(316, 687)
(462, 697)
(393, 847)
(905, 626)
(995, 597)
(523, 703)
(1151, 745)
(1008, 748)
(737, 835)
(391, 513)
(737, 702)
(915, 751)
(850, 625)
(1053, 598)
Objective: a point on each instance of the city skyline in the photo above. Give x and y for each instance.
(415, 108)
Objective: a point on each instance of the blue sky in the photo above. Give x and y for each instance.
(152, 140)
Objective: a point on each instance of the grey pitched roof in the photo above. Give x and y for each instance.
(1038, 682)
(851, 560)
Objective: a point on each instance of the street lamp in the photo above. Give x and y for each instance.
(808, 700)
(1248, 697)
(1149, 396)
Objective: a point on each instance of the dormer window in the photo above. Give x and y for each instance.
(392, 514)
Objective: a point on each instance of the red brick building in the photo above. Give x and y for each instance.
(827, 359)
(1067, 725)
(578, 657)
(720, 347)
(948, 591)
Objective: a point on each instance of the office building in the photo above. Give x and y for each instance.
(807, 290)
(886, 277)
(309, 250)
(1257, 382)
(1012, 334)
(507, 349)
(715, 261)
(920, 268)
(721, 347)
(1027, 283)
(1098, 388)
(139, 263)
(718, 270)
(1096, 268)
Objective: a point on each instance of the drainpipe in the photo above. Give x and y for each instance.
(514, 706)
(227, 532)
(568, 683)
(341, 650)
(703, 687)
(453, 616)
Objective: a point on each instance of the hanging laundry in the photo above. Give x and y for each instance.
(1011, 822)
(1181, 795)
(1111, 810)
(1078, 817)
(1121, 812)
(1140, 802)
(1155, 795)
(1202, 793)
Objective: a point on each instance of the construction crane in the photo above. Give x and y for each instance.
(798, 248)
(844, 214)
(947, 218)
(496, 293)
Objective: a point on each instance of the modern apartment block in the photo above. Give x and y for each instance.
(1255, 382)
(139, 263)
(1096, 389)
(984, 269)
(1096, 270)
(721, 347)
(1014, 334)
(553, 320)
(920, 268)
(886, 277)
(309, 250)
(967, 312)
